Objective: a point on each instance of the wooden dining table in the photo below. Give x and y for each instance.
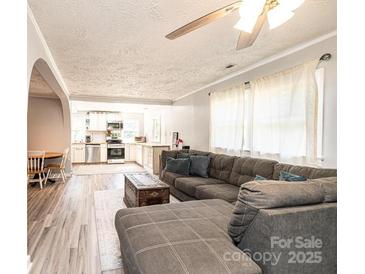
(50, 155)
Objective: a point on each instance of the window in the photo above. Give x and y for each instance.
(130, 129)
(278, 116)
(226, 128)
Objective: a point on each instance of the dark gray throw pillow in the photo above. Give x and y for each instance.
(180, 166)
(199, 165)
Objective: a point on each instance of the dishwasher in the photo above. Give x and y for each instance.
(92, 153)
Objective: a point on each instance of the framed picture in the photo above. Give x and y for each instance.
(175, 137)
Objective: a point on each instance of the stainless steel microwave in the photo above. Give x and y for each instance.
(115, 125)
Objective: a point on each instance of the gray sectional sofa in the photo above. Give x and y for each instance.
(227, 174)
(232, 224)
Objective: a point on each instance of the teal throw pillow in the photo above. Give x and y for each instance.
(290, 177)
(259, 178)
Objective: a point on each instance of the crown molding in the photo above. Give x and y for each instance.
(120, 99)
(265, 61)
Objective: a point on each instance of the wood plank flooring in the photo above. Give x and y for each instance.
(62, 234)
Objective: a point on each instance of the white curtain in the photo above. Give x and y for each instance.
(227, 120)
(283, 120)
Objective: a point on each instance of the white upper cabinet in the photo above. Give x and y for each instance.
(97, 121)
(78, 121)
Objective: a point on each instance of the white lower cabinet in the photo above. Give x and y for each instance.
(139, 155)
(130, 152)
(103, 153)
(78, 153)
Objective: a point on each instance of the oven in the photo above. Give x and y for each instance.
(116, 153)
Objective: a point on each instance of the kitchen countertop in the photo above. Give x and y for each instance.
(149, 144)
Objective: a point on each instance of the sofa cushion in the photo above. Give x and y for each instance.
(221, 166)
(189, 184)
(329, 188)
(189, 237)
(257, 195)
(308, 172)
(245, 170)
(225, 192)
(169, 177)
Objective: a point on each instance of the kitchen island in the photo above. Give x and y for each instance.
(146, 155)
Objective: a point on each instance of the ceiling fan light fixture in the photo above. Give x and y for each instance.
(249, 11)
(245, 25)
(279, 16)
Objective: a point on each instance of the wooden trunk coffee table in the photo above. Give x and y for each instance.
(143, 189)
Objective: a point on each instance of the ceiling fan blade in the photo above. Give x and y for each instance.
(245, 39)
(202, 21)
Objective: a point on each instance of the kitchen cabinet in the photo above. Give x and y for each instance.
(139, 154)
(148, 156)
(132, 152)
(78, 153)
(97, 121)
(103, 153)
(78, 121)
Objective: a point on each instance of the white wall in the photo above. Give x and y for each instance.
(191, 114)
(46, 129)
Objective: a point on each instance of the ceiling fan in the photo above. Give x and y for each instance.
(253, 15)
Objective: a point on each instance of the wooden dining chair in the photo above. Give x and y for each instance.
(35, 166)
(60, 168)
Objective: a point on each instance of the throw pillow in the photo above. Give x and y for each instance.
(180, 166)
(199, 165)
(290, 177)
(260, 178)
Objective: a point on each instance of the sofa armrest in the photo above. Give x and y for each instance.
(299, 239)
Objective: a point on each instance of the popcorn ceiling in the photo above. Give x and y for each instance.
(117, 47)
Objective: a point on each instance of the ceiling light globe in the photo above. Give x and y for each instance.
(279, 16)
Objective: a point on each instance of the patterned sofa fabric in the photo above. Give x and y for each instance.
(225, 192)
(221, 166)
(198, 152)
(178, 238)
(308, 172)
(245, 169)
(188, 184)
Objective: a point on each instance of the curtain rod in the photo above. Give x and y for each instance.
(325, 57)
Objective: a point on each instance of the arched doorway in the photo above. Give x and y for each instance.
(48, 114)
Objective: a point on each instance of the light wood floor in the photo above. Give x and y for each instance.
(61, 225)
